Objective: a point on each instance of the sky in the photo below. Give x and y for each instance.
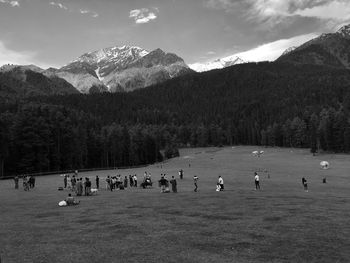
(51, 33)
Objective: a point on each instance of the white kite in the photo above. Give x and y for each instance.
(324, 165)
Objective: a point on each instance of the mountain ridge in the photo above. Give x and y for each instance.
(332, 49)
(122, 68)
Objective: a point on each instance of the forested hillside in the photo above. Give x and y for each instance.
(275, 104)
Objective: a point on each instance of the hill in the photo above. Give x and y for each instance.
(328, 49)
(27, 81)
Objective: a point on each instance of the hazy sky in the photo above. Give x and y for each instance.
(54, 32)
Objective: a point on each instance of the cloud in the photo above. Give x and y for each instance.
(266, 52)
(12, 3)
(88, 12)
(272, 50)
(81, 11)
(272, 12)
(211, 53)
(59, 5)
(143, 15)
(334, 9)
(8, 56)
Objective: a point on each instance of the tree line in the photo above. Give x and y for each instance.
(269, 104)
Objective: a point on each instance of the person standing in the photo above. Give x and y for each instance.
(125, 182)
(195, 181)
(16, 179)
(135, 180)
(97, 182)
(65, 181)
(221, 183)
(33, 181)
(30, 181)
(69, 183)
(131, 181)
(74, 182)
(79, 187)
(162, 183)
(173, 184)
(304, 182)
(25, 183)
(257, 181)
(108, 183)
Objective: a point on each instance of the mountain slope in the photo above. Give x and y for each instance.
(26, 81)
(331, 49)
(122, 69)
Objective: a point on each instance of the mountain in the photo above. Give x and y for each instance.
(332, 49)
(217, 64)
(26, 81)
(123, 68)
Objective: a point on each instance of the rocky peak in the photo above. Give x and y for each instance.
(344, 31)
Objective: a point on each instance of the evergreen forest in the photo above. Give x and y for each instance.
(263, 104)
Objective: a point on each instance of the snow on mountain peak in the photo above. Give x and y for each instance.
(344, 31)
(217, 64)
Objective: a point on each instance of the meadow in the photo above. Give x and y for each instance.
(279, 223)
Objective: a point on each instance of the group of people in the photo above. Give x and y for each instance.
(79, 186)
(117, 182)
(164, 184)
(28, 182)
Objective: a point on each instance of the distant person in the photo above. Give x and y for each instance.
(79, 187)
(195, 181)
(71, 201)
(87, 186)
(33, 181)
(135, 180)
(162, 183)
(16, 179)
(181, 174)
(69, 183)
(74, 182)
(131, 181)
(97, 182)
(108, 183)
(65, 181)
(324, 180)
(125, 181)
(173, 184)
(25, 183)
(257, 181)
(221, 183)
(304, 183)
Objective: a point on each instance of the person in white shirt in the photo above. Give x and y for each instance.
(257, 181)
(221, 183)
(135, 180)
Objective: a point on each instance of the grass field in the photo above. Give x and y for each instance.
(280, 223)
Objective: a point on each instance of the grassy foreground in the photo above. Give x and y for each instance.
(280, 223)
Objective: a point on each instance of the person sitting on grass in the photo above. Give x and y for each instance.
(71, 201)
